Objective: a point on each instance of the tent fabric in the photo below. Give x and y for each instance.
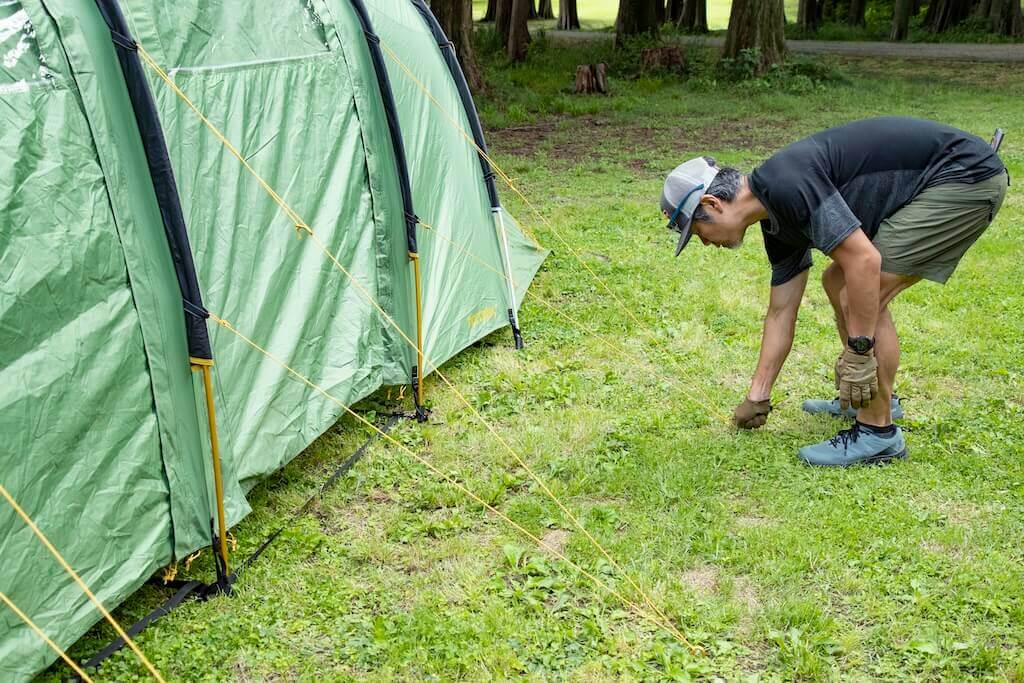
(104, 423)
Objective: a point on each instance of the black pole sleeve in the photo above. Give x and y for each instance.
(448, 52)
(391, 112)
(162, 175)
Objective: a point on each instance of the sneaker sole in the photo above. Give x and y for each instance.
(880, 459)
(895, 416)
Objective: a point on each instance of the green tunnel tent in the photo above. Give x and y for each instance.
(123, 219)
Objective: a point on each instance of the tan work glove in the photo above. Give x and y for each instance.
(858, 378)
(751, 414)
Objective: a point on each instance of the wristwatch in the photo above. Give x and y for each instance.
(860, 345)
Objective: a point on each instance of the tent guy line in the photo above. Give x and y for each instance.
(580, 326)
(45, 638)
(640, 611)
(543, 219)
(81, 584)
(302, 226)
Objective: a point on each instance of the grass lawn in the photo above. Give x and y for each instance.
(911, 570)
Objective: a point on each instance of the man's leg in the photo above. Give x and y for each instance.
(832, 281)
(887, 352)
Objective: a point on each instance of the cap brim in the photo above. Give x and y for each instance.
(684, 237)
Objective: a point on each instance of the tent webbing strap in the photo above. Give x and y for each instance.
(203, 591)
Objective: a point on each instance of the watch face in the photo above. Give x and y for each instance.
(860, 344)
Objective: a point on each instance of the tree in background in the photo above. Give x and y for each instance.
(855, 12)
(900, 19)
(694, 16)
(636, 17)
(492, 6)
(809, 14)
(456, 18)
(942, 14)
(757, 25)
(674, 11)
(545, 11)
(1004, 16)
(503, 20)
(519, 31)
(568, 18)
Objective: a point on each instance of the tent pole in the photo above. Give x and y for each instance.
(513, 316)
(418, 378)
(204, 365)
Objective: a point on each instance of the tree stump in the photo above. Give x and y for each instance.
(656, 58)
(591, 78)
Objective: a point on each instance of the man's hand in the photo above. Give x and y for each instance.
(751, 414)
(858, 378)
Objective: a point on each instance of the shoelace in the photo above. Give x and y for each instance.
(846, 435)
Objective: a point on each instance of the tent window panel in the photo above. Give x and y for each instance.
(22, 65)
(210, 34)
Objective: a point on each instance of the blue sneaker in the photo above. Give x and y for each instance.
(832, 408)
(855, 445)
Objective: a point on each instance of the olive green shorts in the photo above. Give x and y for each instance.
(929, 236)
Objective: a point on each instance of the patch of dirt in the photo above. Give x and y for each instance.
(939, 548)
(575, 140)
(703, 579)
(746, 595)
(753, 521)
(556, 540)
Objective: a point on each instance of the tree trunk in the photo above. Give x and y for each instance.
(855, 12)
(503, 20)
(591, 78)
(568, 19)
(519, 32)
(545, 10)
(942, 14)
(674, 12)
(900, 19)
(492, 6)
(669, 57)
(1005, 17)
(533, 11)
(456, 19)
(659, 11)
(694, 18)
(635, 17)
(757, 24)
(808, 14)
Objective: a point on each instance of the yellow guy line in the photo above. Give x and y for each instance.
(301, 224)
(522, 463)
(39, 632)
(508, 181)
(582, 327)
(81, 584)
(446, 477)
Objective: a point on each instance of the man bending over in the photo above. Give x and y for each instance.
(891, 201)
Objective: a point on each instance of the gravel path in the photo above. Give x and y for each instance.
(974, 52)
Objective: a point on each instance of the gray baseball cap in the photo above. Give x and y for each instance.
(682, 192)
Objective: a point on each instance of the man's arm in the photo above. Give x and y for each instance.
(777, 337)
(862, 269)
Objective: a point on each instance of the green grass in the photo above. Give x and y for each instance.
(780, 571)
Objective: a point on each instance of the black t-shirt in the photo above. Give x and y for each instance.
(820, 189)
